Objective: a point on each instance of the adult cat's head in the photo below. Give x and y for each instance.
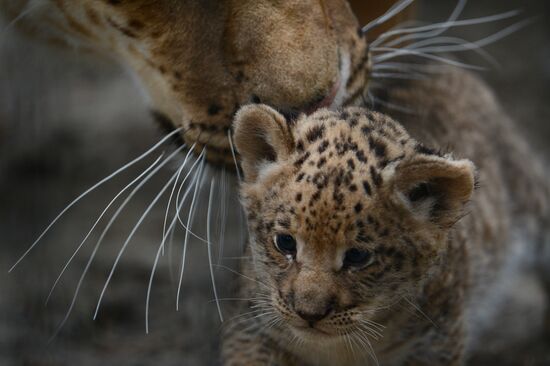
(198, 61)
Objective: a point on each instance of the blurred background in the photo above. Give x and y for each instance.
(67, 119)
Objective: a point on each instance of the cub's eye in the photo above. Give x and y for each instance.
(286, 244)
(356, 258)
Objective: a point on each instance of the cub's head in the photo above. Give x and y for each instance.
(347, 213)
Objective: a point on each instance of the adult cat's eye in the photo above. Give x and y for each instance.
(286, 244)
(355, 257)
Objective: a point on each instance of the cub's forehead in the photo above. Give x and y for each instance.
(350, 123)
(339, 160)
(352, 142)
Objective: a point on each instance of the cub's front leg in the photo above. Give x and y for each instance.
(445, 347)
(242, 347)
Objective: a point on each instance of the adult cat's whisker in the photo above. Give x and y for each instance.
(468, 46)
(434, 32)
(135, 228)
(420, 32)
(390, 105)
(142, 174)
(208, 237)
(92, 188)
(190, 217)
(160, 250)
(393, 11)
(178, 209)
(223, 212)
(234, 155)
(168, 205)
(199, 160)
(106, 229)
(391, 53)
(396, 75)
(24, 13)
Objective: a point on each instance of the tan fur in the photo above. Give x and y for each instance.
(350, 182)
(200, 60)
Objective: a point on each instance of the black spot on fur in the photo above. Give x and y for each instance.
(376, 177)
(366, 130)
(301, 159)
(255, 99)
(421, 149)
(284, 223)
(323, 146)
(351, 164)
(360, 154)
(358, 207)
(353, 188)
(378, 147)
(298, 197)
(300, 177)
(366, 187)
(321, 162)
(315, 133)
(320, 180)
(214, 109)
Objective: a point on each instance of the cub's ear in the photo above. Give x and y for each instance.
(261, 136)
(435, 188)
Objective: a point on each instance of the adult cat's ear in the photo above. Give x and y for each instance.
(262, 136)
(434, 188)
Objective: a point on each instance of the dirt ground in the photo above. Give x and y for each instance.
(67, 120)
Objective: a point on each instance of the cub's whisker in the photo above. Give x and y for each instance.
(142, 174)
(92, 188)
(135, 228)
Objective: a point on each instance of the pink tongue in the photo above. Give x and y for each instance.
(327, 101)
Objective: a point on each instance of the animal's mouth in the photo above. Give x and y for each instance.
(328, 100)
(338, 93)
(311, 331)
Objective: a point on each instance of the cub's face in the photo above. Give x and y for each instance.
(347, 214)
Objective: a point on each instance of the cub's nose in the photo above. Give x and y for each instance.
(314, 317)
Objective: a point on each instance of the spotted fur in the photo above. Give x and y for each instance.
(357, 179)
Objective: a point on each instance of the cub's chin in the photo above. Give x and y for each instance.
(315, 334)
